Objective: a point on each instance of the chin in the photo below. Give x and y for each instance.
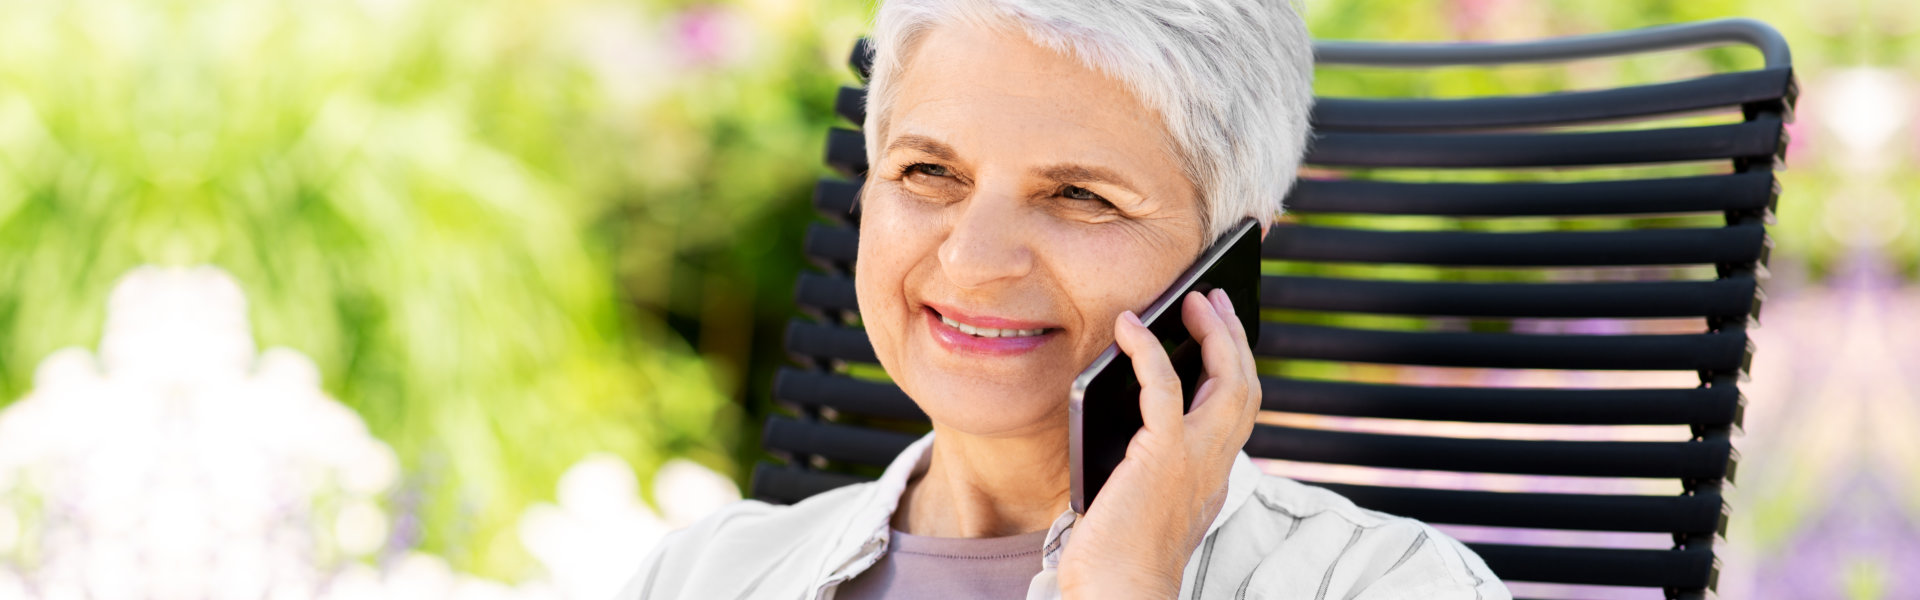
(977, 407)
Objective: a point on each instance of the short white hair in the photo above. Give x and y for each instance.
(1232, 80)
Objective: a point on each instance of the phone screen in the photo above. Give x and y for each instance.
(1104, 408)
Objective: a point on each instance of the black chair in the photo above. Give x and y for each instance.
(1734, 191)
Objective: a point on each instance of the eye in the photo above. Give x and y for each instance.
(1075, 192)
(929, 169)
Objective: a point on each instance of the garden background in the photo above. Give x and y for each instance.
(501, 283)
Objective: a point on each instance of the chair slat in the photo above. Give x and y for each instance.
(1707, 459)
(1699, 514)
(861, 59)
(1694, 459)
(1561, 108)
(859, 445)
(1681, 568)
(1752, 139)
(847, 152)
(1728, 298)
(1745, 191)
(786, 485)
(844, 394)
(1737, 244)
(1725, 298)
(816, 340)
(825, 292)
(851, 104)
(1721, 245)
(1716, 351)
(831, 245)
(1705, 407)
(837, 199)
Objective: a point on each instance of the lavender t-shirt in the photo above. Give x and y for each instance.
(921, 568)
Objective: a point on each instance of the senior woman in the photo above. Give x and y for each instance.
(1041, 169)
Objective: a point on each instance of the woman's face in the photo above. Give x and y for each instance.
(1019, 192)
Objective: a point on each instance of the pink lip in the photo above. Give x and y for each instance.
(988, 322)
(958, 341)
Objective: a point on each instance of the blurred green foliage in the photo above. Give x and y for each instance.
(474, 216)
(511, 232)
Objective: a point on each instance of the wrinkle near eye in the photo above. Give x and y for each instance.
(1175, 233)
(948, 188)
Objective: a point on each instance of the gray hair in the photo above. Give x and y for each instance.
(1231, 79)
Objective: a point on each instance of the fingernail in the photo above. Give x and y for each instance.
(1132, 318)
(1224, 304)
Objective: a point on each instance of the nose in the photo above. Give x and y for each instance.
(988, 243)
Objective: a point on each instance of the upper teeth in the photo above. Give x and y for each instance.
(992, 333)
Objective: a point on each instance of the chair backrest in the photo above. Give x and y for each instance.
(1616, 277)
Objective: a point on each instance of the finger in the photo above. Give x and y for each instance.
(1249, 372)
(1160, 401)
(1249, 369)
(1219, 351)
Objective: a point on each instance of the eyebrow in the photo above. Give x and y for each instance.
(1071, 173)
(1061, 173)
(924, 144)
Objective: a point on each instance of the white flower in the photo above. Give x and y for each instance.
(180, 464)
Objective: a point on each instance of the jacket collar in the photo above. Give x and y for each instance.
(862, 536)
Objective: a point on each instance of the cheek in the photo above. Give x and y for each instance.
(892, 244)
(1107, 272)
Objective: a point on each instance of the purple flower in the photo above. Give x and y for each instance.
(708, 36)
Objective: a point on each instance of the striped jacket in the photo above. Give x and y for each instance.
(1274, 538)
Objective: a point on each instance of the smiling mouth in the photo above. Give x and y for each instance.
(973, 341)
(982, 332)
(978, 332)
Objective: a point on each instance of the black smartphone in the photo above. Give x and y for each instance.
(1104, 409)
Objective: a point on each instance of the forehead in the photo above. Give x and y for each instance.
(992, 90)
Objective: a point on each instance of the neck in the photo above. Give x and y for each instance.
(987, 486)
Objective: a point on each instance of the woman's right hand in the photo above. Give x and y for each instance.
(1159, 502)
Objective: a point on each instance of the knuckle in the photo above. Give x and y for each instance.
(1237, 387)
(1234, 389)
(1137, 447)
(1159, 379)
(1164, 384)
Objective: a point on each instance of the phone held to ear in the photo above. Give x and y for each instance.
(1104, 409)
